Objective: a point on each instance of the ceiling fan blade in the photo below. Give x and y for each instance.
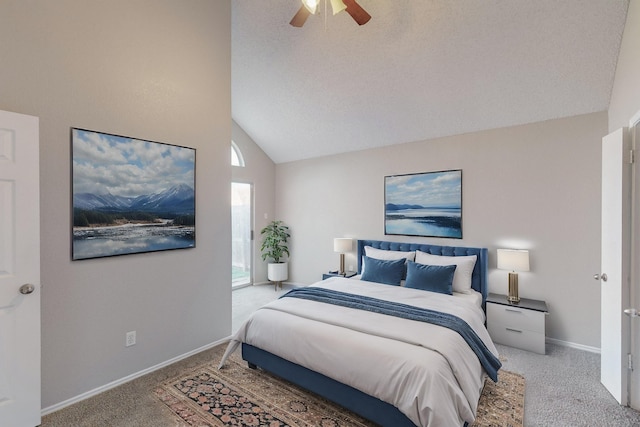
(357, 12)
(301, 17)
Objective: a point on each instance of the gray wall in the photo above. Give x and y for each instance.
(260, 171)
(534, 187)
(151, 69)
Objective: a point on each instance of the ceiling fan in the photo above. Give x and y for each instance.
(309, 7)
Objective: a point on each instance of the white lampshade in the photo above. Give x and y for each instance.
(338, 6)
(311, 5)
(513, 259)
(342, 244)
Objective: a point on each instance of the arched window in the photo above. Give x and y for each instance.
(236, 155)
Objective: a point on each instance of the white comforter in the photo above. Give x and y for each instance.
(428, 372)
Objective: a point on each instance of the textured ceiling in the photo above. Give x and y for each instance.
(419, 69)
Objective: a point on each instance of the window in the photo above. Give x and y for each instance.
(236, 156)
(241, 220)
(241, 242)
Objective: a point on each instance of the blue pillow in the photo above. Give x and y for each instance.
(389, 272)
(434, 278)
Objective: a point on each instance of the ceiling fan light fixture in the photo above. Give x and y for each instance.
(311, 5)
(338, 6)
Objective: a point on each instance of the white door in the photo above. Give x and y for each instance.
(19, 271)
(615, 268)
(634, 398)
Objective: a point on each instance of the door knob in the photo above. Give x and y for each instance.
(27, 288)
(602, 276)
(631, 312)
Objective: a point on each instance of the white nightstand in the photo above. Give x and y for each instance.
(518, 325)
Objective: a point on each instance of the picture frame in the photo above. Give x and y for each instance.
(426, 204)
(130, 195)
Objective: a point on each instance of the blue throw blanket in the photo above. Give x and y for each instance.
(488, 360)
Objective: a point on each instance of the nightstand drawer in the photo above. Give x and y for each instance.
(516, 318)
(519, 338)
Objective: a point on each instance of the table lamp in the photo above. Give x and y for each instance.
(514, 260)
(342, 245)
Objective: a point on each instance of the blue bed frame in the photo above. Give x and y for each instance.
(350, 398)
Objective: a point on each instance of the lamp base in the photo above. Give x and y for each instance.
(341, 271)
(513, 288)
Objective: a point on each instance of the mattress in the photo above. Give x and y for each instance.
(427, 371)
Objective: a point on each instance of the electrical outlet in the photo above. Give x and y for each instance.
(130, 339)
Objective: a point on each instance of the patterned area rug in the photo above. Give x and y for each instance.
(239, 396)
(502, 403)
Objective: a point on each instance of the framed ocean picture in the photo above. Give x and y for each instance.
(130, 195)
(425, 204)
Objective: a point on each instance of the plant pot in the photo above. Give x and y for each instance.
(278, 271)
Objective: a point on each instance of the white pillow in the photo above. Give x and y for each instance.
(372, 252)
(464, 267)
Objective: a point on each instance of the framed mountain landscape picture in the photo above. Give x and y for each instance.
(424, 204)
(130, 195)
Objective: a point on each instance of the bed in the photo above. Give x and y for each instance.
(396, 370)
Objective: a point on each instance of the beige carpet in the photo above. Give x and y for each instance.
(237, 395)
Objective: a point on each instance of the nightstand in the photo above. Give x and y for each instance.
(518, 325)
(335, 274)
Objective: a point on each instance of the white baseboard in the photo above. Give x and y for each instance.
(116, 383)
(573, 345)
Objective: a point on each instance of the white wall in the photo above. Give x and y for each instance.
(534, 187)
(151, 69)
(260, 171)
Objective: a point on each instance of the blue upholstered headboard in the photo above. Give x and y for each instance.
(478, 278)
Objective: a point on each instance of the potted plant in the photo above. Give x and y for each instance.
(274, 247)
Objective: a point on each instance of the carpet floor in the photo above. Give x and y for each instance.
(237, 395)
(562, 390)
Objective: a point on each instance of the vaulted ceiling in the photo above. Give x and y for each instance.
(419, 69)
